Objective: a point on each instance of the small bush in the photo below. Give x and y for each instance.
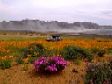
(3, 53)
(69, 52)
(72, 52)
(5, 64)
(98, 52)
(34, 50)
(51, 52)
(19, 60)
(50, 64)
(109, 51)
(101, 53)
(78, 62)
(31, 59)
(94, 51)
(99, 74)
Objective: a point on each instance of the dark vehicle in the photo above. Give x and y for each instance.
(54, 38)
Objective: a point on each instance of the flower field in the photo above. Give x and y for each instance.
(87, 43)
(22, 60)
(102, 43)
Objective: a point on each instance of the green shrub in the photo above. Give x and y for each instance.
(78, 62)
(69, 52)
(101, 53)
(19, 60)
(98, 52)
(3, 53)
(52, 52)
(31, 59)
(85, 53)
(72, 52)
(5, 64)
(17, 52)
(99, 74)
(109, 51)
(94, 51)
(34, 50)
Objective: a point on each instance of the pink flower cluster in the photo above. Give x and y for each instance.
(50, 64)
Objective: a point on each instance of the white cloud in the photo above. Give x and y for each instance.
(3, 7)
(62, 10)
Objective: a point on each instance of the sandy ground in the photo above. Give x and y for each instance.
(16, 75)
(73, 74)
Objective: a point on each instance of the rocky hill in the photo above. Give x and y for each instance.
(53, 26)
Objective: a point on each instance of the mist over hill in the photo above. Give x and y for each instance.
(55, 26)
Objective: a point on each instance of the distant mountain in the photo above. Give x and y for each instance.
(55, 26)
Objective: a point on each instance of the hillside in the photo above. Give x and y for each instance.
(53, 26)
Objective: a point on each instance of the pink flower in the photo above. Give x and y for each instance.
(50, 64)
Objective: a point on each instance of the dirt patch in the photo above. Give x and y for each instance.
(73, 74)
(16, 75)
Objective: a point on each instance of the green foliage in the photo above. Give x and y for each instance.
(47, 53)
(35, 50)
(99, 74)
(2, 53)
(14, 51)
(19, 60)
(31, 59)
(101, 53)
(94, 50)
(16, 38)
(77, 61)
(18, 52)
(109, 51)
(5, 64)
(72, 52)
(52, 52)
(69, 52)
(98, 52)
(32, 52)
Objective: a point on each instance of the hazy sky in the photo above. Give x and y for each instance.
(99, 11)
